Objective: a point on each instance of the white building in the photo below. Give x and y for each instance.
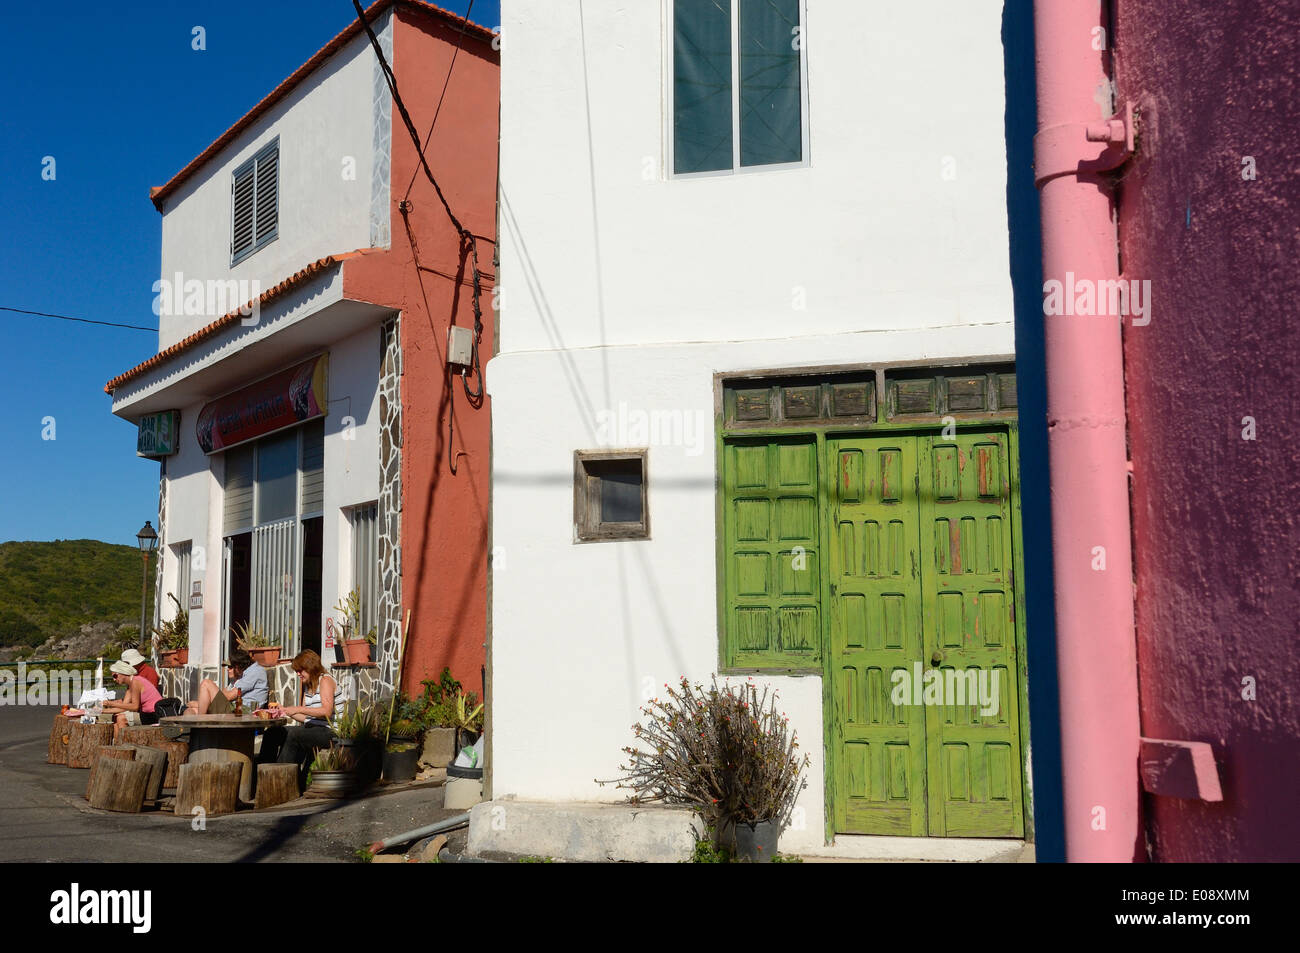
(753, 257)
(282, 462)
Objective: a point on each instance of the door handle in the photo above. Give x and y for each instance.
(936, 657)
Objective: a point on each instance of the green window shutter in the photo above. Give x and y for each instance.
(772, 564)
(702, 120)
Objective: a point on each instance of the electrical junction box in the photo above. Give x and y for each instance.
(460, 346)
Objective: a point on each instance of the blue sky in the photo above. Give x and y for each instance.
(120, 100)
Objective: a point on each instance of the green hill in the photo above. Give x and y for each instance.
(52, 589)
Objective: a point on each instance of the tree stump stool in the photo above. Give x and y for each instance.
(144, 735)
(84, 743)
(276, 784)
(60, 733)
(151, 736)
(119, 785)
(120, 751)
(156, 758)
(210, 785)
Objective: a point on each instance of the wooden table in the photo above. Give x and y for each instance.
(225, 738)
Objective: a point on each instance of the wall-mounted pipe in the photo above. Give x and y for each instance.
(1096, 652)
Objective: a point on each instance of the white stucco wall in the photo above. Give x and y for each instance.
(625, 291)
(581, 632)
(599, 246)
(351, 455)
(327, 119)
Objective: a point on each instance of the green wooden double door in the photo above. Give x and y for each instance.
(900, 549)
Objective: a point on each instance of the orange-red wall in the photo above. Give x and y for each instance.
(444, 514)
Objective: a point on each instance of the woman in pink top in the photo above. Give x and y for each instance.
(137, 707)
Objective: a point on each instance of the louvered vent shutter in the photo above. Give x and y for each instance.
(241, 240)
(313, 467)
(268, 193)
(237, 505)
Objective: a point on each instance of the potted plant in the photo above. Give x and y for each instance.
(254, 640)
(435, 712)
(725, 751)
(172, 638)
(469, 719)
(356, 648)
(358, 728)
(333, 773)
(401, 753)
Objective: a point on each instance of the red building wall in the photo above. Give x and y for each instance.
(427, 276)
(1217, 538)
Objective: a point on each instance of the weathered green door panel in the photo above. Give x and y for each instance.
(772, 614)
(973, 748)
(878, 748)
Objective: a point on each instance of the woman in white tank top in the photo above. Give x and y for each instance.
(321, 701)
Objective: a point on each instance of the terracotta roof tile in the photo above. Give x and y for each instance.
(219, 325)
(159, 192)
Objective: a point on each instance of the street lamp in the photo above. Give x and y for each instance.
(148, 541)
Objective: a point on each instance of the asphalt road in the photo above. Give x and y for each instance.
(44, 816)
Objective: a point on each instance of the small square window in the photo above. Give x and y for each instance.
(609, 495)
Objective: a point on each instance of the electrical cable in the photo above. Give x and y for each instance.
(65, 317)
(466, 236)
(443, 95)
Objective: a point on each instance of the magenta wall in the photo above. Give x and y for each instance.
(1217, 535)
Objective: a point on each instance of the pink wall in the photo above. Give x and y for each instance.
(1217, 541)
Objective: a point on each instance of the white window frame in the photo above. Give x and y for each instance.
(736, 167)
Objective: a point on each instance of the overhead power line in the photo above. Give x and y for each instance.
(465, 234)
(68, 317)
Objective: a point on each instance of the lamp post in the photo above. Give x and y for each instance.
(148, 541)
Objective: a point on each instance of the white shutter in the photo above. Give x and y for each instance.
(313, 467)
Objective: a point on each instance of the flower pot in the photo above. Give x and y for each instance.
(167, 659)
(357, 651)
(464, 788)
(368, 757)
(757, 844)
(439, 747)
(266, 657)
(182, 656)
(401, 761)
(332, 784)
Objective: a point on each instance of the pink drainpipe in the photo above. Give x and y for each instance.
(1096, 646)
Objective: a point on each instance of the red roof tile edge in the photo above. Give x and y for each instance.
(207, 331)
(159, 192)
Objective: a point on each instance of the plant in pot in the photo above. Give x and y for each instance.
(356, 647)
(727, 752)
(469, 719)
(402, 750)
(359, 729)
(254, 640)
(172, 638)
(435, 711)
(333, 773)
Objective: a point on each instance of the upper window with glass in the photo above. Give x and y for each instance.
(738, 87)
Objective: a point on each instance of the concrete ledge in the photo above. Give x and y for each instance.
(594, 833)
(959, 850)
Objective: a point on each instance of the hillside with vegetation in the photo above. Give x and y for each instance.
(55, 592)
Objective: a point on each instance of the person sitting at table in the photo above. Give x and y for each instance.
(247, 681)
(321, 701)
(142, 667)
(137, 706)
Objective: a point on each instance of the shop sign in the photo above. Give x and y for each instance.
(156, 434)
(273, 403)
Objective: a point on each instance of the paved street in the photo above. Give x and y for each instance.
(44, 817)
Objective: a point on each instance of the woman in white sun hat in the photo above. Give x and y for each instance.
(137, 707)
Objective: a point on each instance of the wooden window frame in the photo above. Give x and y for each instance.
(587, 525)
